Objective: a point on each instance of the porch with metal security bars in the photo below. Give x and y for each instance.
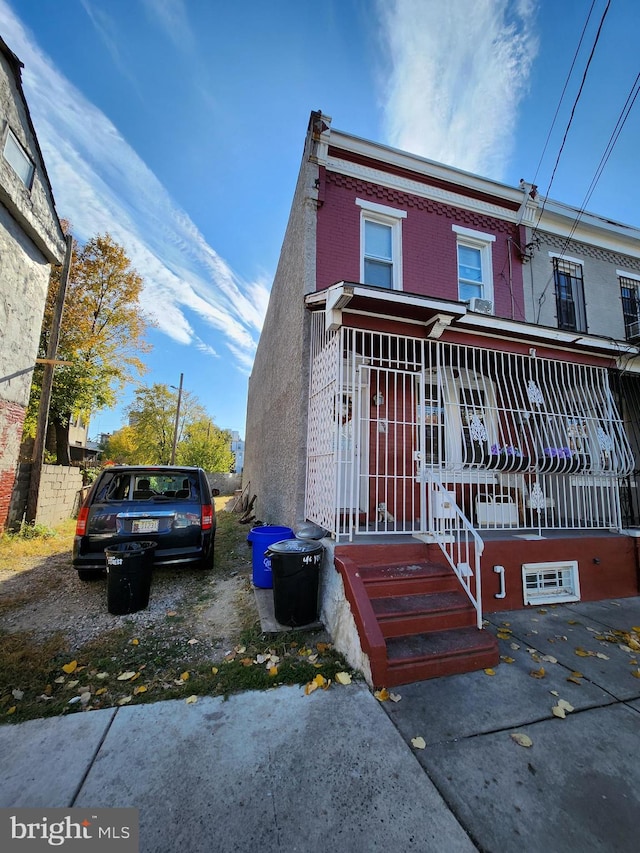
(407, 434)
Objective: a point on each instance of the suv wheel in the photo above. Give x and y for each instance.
(90, 574)
(206, 563)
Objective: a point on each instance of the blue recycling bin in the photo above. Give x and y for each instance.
(261, 538)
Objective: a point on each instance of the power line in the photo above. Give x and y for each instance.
(573, 110)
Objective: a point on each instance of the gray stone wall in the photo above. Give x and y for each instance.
(226, 483)
(276, 437)
(601, 287)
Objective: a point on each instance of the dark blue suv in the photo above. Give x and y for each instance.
(170, 505)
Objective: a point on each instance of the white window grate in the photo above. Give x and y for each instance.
(550, 583)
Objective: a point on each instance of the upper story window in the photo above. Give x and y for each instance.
(475, 267)
(568, 279)
(630, 294)
(18, 159)
(380, 244)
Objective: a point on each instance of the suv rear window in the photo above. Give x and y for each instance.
(145, 485)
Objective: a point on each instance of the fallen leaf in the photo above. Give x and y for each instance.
(240, 649)
(12, 709)
(171, 613)
(45, 698)
(521, 739)
(184, 676)
(102, 675)
(320, 680)
(382, 695)
(48, 690)
(262, 658)
(193, 641)
(515, 647)
(246, 661)
(574, 680)
(125, 676)
(214, 670)
(140, 689)
(538, 673)
(272, 670)
(191, 700)
(566, 706)
(489, 671)
(70, 667)
(635, 673)
(557, 711)
(602, 656)
(582, 654)
(343, 678)
(549, 659)
(322, 647)
(634, 644)
(85, 698)
(125, 700)
(504, 635)
(17, 694)
(310, 687)
(395, 697)
(100, 691)
(313, 658)
(72, 683)
(554, 692)
(507, 659)
(418, 742)
(135, 642)
(60, 680)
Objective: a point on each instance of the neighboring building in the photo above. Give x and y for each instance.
(31, 240)
(81, 449)
(237, 448)
(400, 400)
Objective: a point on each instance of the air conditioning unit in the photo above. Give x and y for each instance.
(481, 306)
(633, 330)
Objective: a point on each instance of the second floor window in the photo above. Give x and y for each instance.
(475, 272)
(380, 244)
(630, 294)
(18, 159)
(569, 285)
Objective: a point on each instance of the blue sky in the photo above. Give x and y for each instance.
(177, 126)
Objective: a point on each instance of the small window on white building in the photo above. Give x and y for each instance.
(475, 268)
(550, 583)
(380, 245)
(18, 159)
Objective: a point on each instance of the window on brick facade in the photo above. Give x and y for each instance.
(630, 295)
(567, 275)
(18, 159)
(475, 267)
(380, 245)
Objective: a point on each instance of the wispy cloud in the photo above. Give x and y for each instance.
(458, 71)
(171, 16)
(101, 184)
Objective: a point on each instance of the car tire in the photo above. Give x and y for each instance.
(90, 574)
(206, 563)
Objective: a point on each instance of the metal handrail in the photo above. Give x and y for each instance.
(456, 535)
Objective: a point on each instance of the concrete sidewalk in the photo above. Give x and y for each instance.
(336, 770)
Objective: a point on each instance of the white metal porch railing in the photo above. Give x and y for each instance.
(459, 542)
(523, 442)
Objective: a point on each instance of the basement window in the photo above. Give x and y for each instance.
(550, 583)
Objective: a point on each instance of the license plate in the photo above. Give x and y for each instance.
(144, 525)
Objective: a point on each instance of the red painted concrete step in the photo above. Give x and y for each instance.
(400, 615)
(407, 579)
(421, 656)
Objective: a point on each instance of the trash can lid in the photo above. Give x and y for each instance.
(309, 530)
(295, 546)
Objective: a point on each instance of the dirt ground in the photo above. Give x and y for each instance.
(44, 596)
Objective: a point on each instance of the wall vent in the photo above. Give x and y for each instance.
(550, 583)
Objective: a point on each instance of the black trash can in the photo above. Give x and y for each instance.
(295, 566)
(129, 567)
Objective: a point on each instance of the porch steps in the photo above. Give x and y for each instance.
(414, 620)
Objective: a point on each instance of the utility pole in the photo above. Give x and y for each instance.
(47, 385)
(175, 430)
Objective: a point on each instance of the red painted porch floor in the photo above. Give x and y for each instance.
(414, 620)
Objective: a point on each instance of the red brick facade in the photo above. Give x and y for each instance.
(429, 253)
(11, 420)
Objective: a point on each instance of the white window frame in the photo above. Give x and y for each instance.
(383, 215)
(553, 595)
(16, 157)
(483, 242)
